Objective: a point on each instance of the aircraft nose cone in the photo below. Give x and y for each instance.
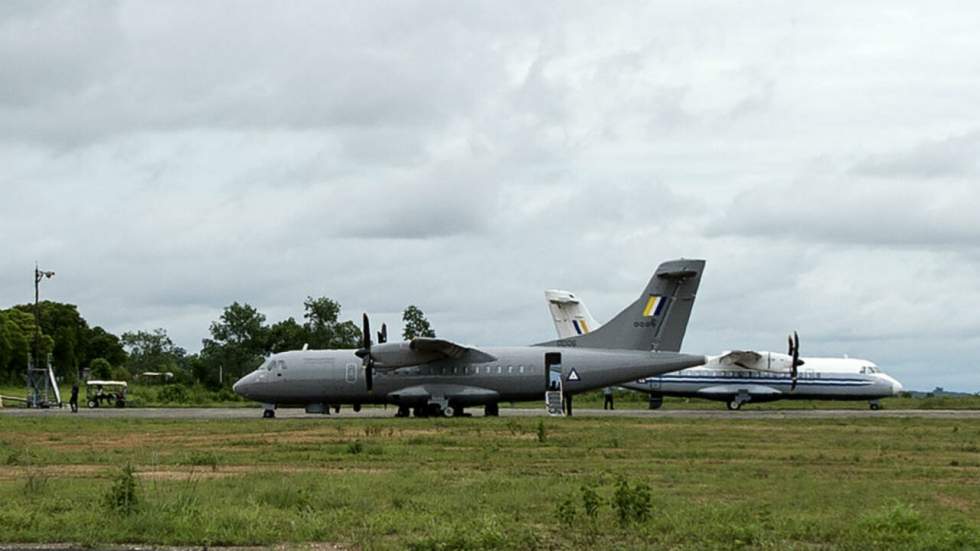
(896, 388)
(241, 386)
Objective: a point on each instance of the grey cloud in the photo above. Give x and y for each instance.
(957, 156)
(465, 157)
(840, 210)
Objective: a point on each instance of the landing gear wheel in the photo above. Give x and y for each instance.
(268, 414)
(656, 401)
(403, 411)
(357, 408)
(875, 406)
(433, 410)
(734, 405)
(93, 404)
(420, 411)
(449, 411)
(491, 410)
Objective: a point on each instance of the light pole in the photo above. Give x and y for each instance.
(34, 370)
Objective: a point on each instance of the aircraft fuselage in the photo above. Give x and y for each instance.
(517, 373)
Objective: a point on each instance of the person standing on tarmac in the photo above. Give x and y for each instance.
(608, 394)
(73, 401)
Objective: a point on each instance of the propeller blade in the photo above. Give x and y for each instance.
(795, 352)
(365, 354)
(367, 333)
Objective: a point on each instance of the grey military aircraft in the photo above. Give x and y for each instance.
(431, 376)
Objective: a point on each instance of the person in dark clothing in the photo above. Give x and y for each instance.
(608, 394)
(73, 401)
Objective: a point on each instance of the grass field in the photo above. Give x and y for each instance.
(472, 483)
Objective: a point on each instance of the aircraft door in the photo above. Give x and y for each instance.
(351, 372)
(553, 395)
(552, 369)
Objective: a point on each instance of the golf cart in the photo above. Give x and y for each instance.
(105, 393)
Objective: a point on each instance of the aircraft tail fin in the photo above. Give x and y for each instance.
(572, 318)
(658, 319)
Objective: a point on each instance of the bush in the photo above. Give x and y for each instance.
(123, 497)
(173, 394)
(632, 503)
(590, 501)
(202, 458)
(121, 374)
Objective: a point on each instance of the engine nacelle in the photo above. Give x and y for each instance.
(392, 355)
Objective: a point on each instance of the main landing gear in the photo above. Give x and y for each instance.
(434, 409)
(739, 399)
(268, 411)
(656, 401)
(875, 405)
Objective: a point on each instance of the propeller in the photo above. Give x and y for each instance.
(383, 334)
(365, 354)
(794, 352)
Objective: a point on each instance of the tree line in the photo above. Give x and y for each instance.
(237, 343)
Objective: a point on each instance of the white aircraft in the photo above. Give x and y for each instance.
(741, 376)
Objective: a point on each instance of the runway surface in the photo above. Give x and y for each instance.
(346, 413)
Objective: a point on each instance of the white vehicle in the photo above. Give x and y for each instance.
(740, 376)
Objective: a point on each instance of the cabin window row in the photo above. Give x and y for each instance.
(751, 374)
(476, 370)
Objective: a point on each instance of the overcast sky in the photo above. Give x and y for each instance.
(168, 158)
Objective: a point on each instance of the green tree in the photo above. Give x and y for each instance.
(100, 368)
(65, 360)
(103, 344)
(66, 325)
(19, 328)
(238, 342)
(287, 335)
(151, 351)
(6, 347)
(323, 327)
(415, 324)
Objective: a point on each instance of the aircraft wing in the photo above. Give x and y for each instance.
(423, 350)
(725, 390)
(450, 350)
(459, 393)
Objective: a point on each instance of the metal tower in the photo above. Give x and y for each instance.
(40, 377)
